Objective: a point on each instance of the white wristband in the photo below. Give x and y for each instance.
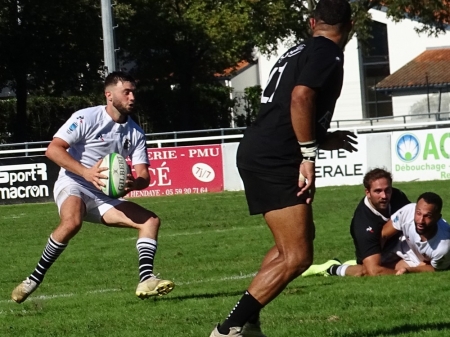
(309, 150)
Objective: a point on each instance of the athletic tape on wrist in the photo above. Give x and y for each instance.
(308, 150)
(301, 177)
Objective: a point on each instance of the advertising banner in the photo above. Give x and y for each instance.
(339, 167)
(421, 155)
(27, 179)
(183, 170)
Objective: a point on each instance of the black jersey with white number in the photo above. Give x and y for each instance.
(270, 145)
(367, 224)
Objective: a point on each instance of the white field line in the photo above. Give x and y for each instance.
(22, 215)
(50, 297)
(234, 277)
(13, 216)
(213, 230)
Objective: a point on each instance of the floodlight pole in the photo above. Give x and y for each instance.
(108, 37)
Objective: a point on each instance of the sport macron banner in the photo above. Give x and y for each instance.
(27, 179)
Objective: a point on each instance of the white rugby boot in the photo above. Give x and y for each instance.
(154, 286)
(23, 290)
(234, 332)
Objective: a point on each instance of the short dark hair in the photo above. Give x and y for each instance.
(118, 76)
(376, 174)
(432, 199)
(333, 12)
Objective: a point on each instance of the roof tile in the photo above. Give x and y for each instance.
(432, 67)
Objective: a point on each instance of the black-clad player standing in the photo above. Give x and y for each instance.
(297, 107)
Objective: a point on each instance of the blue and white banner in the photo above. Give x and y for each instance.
(421, 155)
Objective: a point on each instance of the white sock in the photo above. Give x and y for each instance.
(341, 269)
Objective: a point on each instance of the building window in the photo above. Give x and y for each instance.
(375, 67)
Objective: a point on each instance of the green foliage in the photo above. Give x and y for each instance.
(158, 107)
(48, 48)
(55, 43)
(7, 110)
(251, 102)
(432, 16)
(210, 247)
(187, 43)
(54, 48)
(46, 114)
(214, 105)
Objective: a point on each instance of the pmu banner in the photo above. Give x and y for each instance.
(421, 155)
(183, 170)
(27, 179)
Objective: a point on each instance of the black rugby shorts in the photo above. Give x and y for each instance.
(266, 192)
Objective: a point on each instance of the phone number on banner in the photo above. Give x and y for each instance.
(167, 191)
(188, 190)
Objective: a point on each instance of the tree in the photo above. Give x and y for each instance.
(50, 48)
(433, 16)
(175, 47)
(251, 102)
(183, 43)
(433, 103)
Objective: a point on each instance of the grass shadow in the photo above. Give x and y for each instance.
(291, 289)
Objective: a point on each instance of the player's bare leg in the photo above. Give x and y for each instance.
(293, 231)
(253, 326)
(71, 214)
(131, 215)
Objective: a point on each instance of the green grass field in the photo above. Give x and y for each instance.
(210, 247)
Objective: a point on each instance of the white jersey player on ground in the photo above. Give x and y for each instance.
(426, 236)
(78, 148)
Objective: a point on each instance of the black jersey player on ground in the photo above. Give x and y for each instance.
(280, 148)
(373, 211)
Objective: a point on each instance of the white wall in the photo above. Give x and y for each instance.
(405, 45)
(247, 78)
(231, 179)
(406, 103)
(349, 105)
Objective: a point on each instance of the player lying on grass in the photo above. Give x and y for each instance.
(78, 148)
(373, 211)
(424, 245)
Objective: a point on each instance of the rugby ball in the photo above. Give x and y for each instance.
(117, 175)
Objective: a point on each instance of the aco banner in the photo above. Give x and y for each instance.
(27, 180)
(421, 155)
(183, 170)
